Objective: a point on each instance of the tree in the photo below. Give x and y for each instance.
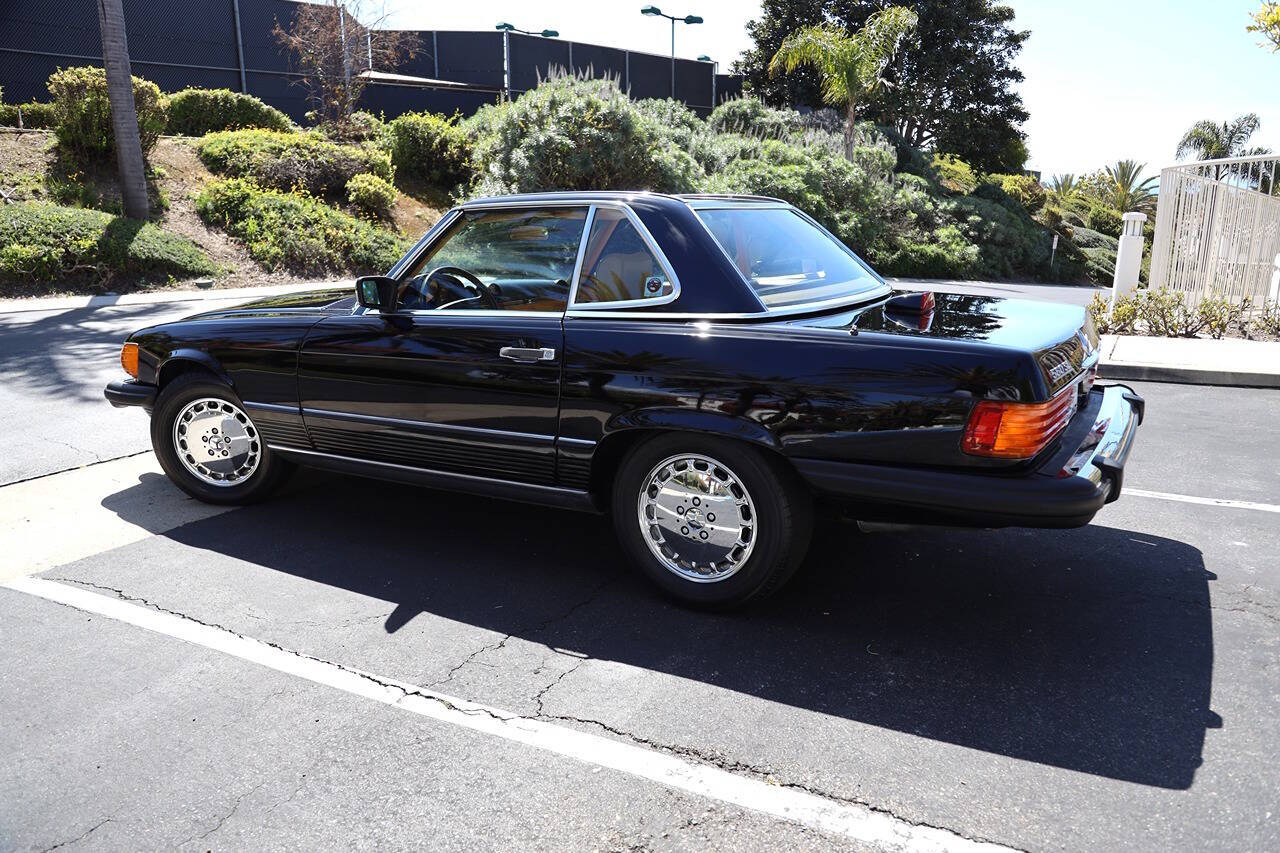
(1267, 22)
(1210, 141)
(850, 67)
(124, 118)
(953, 84)
(1128, 191)
(334, 51)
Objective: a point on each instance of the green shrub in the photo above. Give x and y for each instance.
(1010, 243)
(574, 133)
(1219, 315)
(1087, 238)
(1029, 192)
(297, 232)
(1105, 219)
(674, 120)
(430, 147)
(360, 126)
(946, 255)
(82, 114)
(291, 161)
(1265, 323)
(35, 115)
(195, 112)
(371, 195)
(953, 174)
(750, 116)
(46, 242)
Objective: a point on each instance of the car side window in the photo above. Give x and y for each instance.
(618, 265)
(520, 259)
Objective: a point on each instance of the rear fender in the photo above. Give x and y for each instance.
(685, 420)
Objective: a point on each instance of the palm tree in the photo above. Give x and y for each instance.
(1064, 185)
(1210, 141)
(850, 66)
(124, 117)
(1129, 191)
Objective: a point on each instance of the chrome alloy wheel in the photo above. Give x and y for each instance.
(697, 517)
(217, 442)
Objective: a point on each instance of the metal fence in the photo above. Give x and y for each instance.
(1218, 228)
(229, 44)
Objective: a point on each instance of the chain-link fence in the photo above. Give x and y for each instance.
(230, 44)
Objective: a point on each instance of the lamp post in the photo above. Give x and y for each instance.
(507, 29)
(655, 12)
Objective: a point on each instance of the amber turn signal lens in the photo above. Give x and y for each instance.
(129, 359)
(1017, 430)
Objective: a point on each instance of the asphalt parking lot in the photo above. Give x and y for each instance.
(172, 675)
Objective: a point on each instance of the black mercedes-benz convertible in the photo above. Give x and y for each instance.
(705, 368)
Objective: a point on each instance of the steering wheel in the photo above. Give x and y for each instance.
(483, 293)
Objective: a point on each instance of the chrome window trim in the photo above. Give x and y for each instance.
(653, 246)
(807, 308)
(354, 416)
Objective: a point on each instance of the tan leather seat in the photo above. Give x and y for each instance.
(618, 276)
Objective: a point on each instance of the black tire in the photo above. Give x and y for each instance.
(783, 519)
(271, 470)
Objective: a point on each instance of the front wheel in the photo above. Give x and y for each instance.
(209, 447)
(713, 523)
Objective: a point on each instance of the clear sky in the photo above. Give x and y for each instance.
(1106, 79)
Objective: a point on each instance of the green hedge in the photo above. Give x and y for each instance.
(432, 148)
(195, 112)
(291, 161)
(45, 242)
(572, 133)
(297, 232)
(82, 113)
(371, 195)
(34, 115)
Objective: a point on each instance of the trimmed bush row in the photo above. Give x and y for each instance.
(82, 114)
(298, 232)
(195, 112)
(291, 161)
(42, 242)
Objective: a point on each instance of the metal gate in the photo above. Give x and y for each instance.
(1218, 229)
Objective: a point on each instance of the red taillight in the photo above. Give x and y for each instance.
(1017, 430)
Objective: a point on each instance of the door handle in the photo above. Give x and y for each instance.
(528, 354)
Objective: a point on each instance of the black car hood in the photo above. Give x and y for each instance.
(328, 300)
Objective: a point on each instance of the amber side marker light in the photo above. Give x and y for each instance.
(129, 359)
(1017, 430)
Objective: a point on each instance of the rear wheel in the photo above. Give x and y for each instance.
(713, 523)
(208, 445)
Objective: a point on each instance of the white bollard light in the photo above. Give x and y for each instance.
(1128, 256)
(1274, 294)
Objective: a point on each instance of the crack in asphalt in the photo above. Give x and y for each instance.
(525, 631)
(689, 753)
(82, 836)
(226, 817)
(765, 774)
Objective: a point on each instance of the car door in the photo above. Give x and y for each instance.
(464, 376)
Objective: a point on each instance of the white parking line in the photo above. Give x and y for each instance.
(1192, 499)
(855, 822)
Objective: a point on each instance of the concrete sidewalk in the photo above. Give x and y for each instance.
(153, 297)
(1195, 361)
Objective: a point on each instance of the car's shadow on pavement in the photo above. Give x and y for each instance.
(1087, 649)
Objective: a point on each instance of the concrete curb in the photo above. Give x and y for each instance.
(1187, 375)
(68, 303)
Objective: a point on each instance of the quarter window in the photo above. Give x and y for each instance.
(517, 260)
(618, 265)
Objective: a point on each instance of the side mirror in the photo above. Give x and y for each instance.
(377, 292)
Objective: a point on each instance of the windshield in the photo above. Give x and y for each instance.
(785, 257)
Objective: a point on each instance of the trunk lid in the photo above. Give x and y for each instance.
(1060, 338)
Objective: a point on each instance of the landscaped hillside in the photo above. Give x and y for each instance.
(253, 198)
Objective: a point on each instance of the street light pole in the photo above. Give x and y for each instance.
(507, 30)
(654, 11)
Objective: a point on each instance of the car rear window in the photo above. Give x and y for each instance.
(787, 259)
